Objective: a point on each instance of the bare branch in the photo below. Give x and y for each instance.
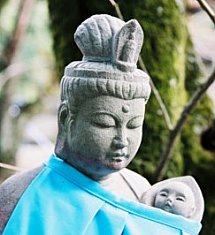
(158, 98)
(162, 166)
(117, 9)
(10, 167)
(162, 106)
(208, 9)
(19, 31)
(17, 69)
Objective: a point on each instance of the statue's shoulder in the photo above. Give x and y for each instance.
(138, 183)
(18, 182)
(11, 190)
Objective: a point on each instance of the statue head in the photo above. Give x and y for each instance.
(176, 198)
(179, 195)
(103, 98)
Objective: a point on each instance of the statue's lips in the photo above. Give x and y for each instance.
(167, 206)
(118, 157)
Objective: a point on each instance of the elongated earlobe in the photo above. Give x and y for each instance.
(63, 113)
(65, 118)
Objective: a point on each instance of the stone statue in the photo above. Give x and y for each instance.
(102, 107)
(85, 187)
(180, 196)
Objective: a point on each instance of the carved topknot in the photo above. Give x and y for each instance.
(106, 38)
(110, 49)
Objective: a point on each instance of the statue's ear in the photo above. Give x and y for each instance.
(63, 115)
(192, 211)
(63, 119)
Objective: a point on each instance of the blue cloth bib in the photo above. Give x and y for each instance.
(63, 201)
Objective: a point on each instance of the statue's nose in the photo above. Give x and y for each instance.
(120, 143)
(170, 200)
(120, 140)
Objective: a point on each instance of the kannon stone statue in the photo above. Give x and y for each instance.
(85, 187)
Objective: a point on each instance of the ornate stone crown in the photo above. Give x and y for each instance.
(110, 49)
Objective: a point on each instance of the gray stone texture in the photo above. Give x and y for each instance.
(10, 192)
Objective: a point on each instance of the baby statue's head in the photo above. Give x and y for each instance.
(176, 198)
(179, 195)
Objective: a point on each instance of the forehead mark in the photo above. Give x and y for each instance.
(125, 108)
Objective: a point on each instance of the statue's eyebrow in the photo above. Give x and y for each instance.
(181, 194)
(164, 190)
(138, 116)
(114, 116)
(138, 119)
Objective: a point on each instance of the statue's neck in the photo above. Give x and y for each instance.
(103, 177)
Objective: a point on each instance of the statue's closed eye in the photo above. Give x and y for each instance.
(103, 120)
(181, 198)
(135, 122)
(164, 193)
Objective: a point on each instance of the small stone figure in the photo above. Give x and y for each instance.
(180, 196)
(176, 198)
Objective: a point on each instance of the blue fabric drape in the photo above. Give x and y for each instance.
(63, 201)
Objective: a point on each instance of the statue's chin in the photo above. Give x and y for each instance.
(96, 168)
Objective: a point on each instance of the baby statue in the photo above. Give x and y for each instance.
(180, 196)
(176, 198)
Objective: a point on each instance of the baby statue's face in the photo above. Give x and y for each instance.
(176, 198)
(106, 135)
